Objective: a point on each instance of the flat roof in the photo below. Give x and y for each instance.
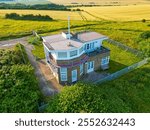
(58, 42)
(89, 36)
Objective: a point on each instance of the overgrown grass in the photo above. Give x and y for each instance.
(38, 50)
(18, 28)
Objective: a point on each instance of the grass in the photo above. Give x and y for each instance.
(38, 50)
(119, 58)
(18, 28)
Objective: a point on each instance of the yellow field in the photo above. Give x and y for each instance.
(100, 2)
(114, 13)
(58, 15)
(120, 13)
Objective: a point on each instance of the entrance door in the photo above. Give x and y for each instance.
(74, 75)
(90, 66)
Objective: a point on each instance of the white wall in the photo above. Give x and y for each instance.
(97, 44)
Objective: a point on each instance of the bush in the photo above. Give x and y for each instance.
(143, 20)
(28, 17)
(145, 35)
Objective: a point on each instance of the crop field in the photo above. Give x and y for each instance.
(100, 2)
(119, 13)
(111, 13)
(17, 28)
(57, 15)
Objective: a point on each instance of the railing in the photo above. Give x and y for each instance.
(131, 50)
(100, 50)
(123, 71)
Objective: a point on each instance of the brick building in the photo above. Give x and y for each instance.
(71, 56)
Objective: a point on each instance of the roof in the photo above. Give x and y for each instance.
(89, 36)
(58, 42)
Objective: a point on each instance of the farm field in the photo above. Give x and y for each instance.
(119, 13)
(18, 28)
(100, 2)
(111, 13)
(57, 15)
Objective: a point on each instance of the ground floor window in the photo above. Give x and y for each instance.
(63, 74)
(105, 60)
(90, 66)
(81, 69)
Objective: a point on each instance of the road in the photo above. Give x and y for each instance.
(46, 89)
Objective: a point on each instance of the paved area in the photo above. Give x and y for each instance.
(10, 43)
(94, 76)
(46, 87)
(49, 75)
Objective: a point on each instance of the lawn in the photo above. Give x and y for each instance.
(119, 58)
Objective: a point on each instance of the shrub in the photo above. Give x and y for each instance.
(145, 35)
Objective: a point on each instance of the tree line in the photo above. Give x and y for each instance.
(28, 17)
(34, 7)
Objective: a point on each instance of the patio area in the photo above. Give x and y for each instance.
(94, 76)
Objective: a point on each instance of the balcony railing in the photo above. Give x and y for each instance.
(97, 51)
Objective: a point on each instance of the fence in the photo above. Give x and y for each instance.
(134, 51)
(123, 71)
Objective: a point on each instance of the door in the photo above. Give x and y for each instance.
(74, 75)
(90, 66)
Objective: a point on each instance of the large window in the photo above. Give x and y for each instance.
(105, 60)
(62, 54)
(90, 66)
(63, 74)
(73, 53)
(81, 69)
(89, 46)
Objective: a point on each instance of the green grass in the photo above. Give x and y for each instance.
(119, 58)
(18, 28)
(38, 50)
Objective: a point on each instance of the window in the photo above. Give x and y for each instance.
(73, 53)
(90, 66)
(105, 61)
(87, 46)
(63, 74)
(92, 45)
(81, 69)
(62, 54)
(80, 50)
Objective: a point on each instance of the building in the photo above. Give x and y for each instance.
(71, 56)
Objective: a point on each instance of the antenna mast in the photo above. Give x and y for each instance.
(69, 26)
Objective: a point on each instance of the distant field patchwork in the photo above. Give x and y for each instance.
(113, 13)
(100, 2)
